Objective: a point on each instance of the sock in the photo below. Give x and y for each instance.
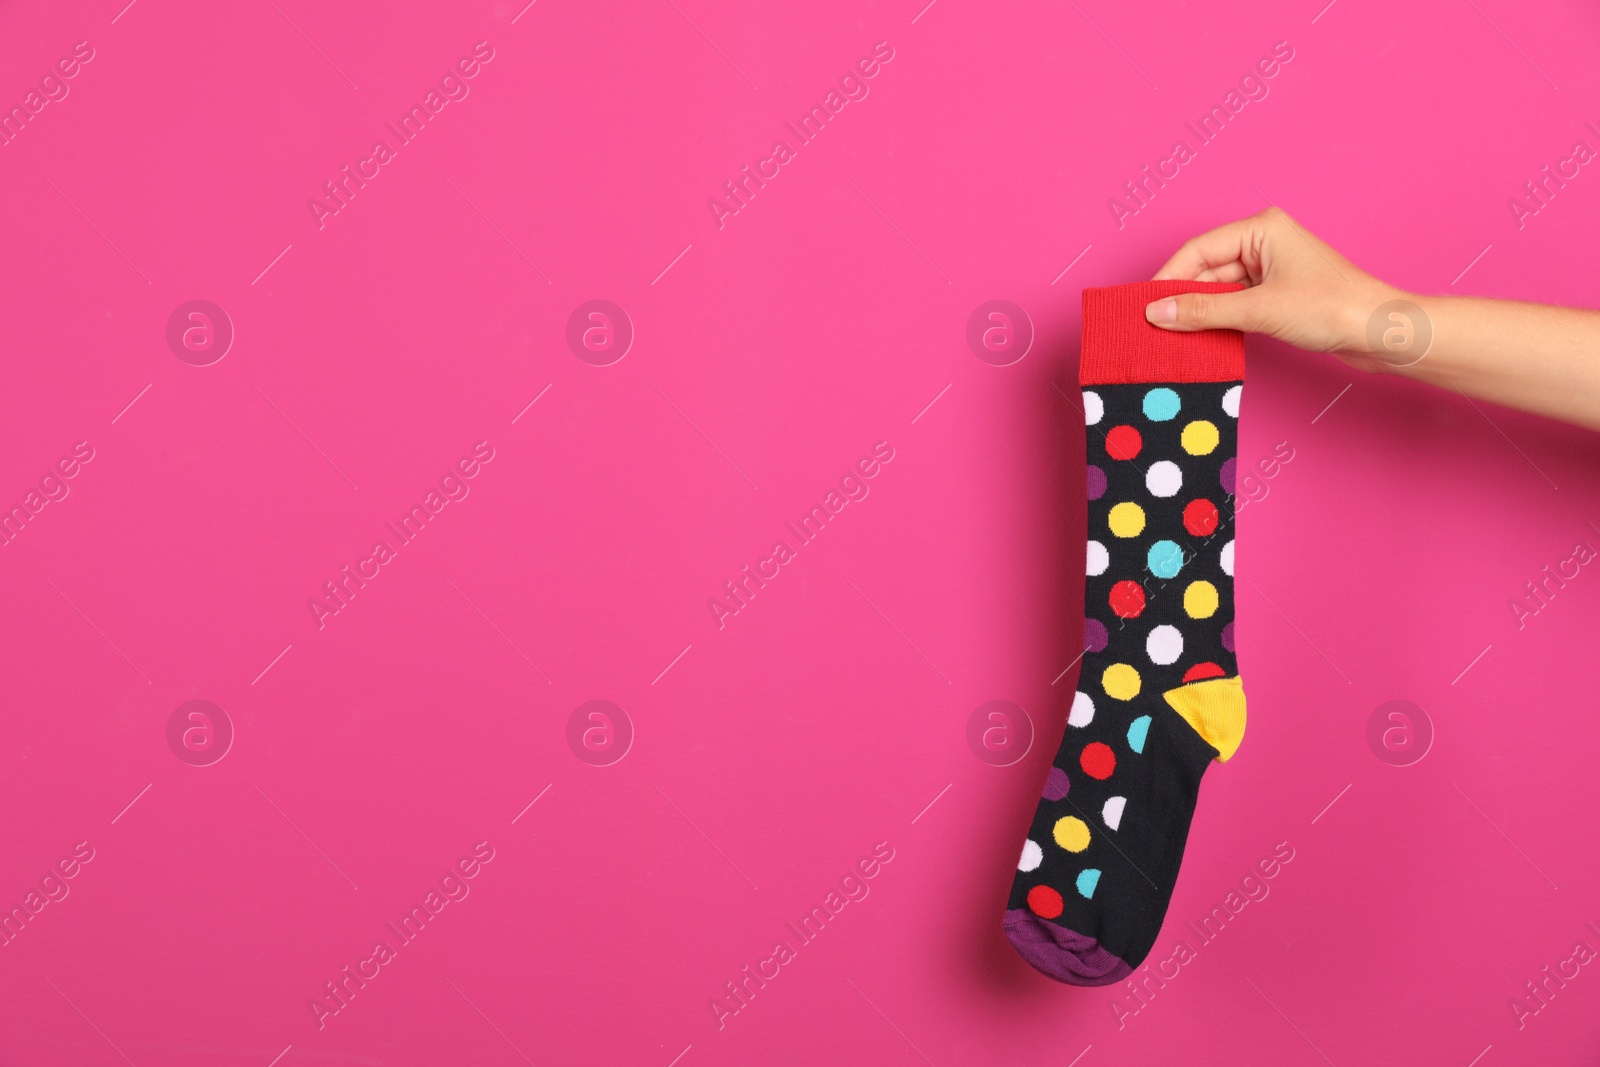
(1158, 695)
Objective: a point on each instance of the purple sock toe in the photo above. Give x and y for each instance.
(1065, 955)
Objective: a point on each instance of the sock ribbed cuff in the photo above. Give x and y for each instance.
(1120, 346)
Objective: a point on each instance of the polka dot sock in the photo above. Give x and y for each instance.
(1158, 695)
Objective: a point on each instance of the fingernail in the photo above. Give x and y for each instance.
(1162, 311)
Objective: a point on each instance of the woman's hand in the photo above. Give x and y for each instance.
(1535, 357)
(1300, 290)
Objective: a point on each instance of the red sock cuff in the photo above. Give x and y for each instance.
(1119, 345)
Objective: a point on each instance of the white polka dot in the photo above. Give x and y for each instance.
(1165, 645)
(1082, 710)
(1164, 479)
(1032, 856)
(1230, 400)
(1227, 559)
(1094, 409)
(1111, 813)
(1099, 558)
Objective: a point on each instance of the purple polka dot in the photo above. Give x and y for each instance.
(1227, 637)
(1094, 635)
(1228, 470)
(1097, 482)
(1056, 786)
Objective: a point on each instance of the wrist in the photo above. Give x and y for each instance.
(1388, 326)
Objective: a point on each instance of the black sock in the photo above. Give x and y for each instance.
(1158, 695)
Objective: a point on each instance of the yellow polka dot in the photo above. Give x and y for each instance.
(1200, 437)
(1122, 681)
(1200, 600)
(1072, 833)
(1127, 520)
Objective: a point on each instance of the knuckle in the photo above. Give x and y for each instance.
(1196, 309)
(1278, 217)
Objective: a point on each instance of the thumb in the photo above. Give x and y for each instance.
(1189, 312)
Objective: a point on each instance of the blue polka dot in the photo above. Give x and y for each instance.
(1165, 559)
(1138, 732)
(1087, 880)
(1161, 404)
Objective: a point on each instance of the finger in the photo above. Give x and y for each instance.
(1228, 272)
(1232, 244)
(1190, 312)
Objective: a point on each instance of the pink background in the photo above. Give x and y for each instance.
(832, 711)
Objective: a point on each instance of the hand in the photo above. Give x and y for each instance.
(1300, 290)
(1534, 357)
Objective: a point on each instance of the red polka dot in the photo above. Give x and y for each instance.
(1127, 599)
(1200, 518)
(1201, 671)
(1044, 902)
(1123, 442)
(1097, 760)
